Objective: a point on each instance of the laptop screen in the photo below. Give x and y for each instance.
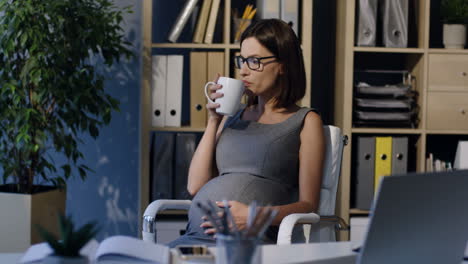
(418, 218)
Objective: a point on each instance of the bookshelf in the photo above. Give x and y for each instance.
(222, 44)
(427, 60)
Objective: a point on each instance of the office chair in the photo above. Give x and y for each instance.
(297, 228)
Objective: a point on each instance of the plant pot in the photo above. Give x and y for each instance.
(454, 36)
(21, 213)
(53, 259)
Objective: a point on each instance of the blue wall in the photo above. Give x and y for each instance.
(110, 195)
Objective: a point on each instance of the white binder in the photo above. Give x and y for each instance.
(461, 157)
(395, 23)
(175, 65)
(158, 91)
(289, 13)
(268, 8)
(367, 23)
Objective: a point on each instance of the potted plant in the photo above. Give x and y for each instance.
(454, 16)
(51, 94)
(66, 248)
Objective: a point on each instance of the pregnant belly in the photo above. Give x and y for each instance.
(238, 187)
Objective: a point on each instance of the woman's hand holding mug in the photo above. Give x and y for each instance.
(212, 96)
(225, 95)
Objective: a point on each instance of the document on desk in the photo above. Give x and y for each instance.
(115, 249)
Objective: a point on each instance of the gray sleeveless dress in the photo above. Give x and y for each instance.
(255, 162)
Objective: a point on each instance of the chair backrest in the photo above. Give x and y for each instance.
(331, 169)
(325, 231)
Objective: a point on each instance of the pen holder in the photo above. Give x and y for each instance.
(240, 24)
(237, 250)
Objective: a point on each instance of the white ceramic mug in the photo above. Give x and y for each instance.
(233, 90)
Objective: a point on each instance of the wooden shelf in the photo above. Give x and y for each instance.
(389, 50)
(386, 130)
(355, 211)
(195, 46)
(447, 132)
(448, 51)
(417, 60)
(179, 129)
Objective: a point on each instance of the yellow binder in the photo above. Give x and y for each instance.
(383, 159)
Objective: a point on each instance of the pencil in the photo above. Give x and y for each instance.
(252, 14)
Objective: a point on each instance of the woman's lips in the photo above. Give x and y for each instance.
(246, 83)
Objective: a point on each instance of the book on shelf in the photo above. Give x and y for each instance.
(202, 22)
(181, 20)
(115, 249)
(434, 164)
(210, 27)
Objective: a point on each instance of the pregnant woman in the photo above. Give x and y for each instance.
(271, 151)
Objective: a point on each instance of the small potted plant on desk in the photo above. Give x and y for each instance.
(66, 248)
(51, 95)
(454, 15)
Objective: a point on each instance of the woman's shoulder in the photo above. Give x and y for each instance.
(312, 118)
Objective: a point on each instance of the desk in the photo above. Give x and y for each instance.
(297, 253)
(10, 258)
(340, 252)
(316, 253)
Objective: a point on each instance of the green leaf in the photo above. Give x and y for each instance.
(51, 92)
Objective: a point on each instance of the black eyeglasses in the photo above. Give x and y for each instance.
(252, 62)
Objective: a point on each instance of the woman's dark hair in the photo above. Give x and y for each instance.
(279, 38)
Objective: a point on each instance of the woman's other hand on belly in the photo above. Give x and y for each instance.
(239, 212)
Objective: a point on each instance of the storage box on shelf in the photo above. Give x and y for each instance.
(159, 16)
(440, 78)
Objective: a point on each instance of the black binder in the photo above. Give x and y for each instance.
(185, 146)
(161, 166)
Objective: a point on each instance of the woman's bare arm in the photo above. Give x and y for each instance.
(203, 167)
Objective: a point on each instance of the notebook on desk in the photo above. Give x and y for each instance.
(418, 218)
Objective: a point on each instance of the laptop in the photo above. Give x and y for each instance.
(418, 218)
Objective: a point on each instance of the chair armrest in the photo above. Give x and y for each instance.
(149, 216)
(339, 222)
(287, 225)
